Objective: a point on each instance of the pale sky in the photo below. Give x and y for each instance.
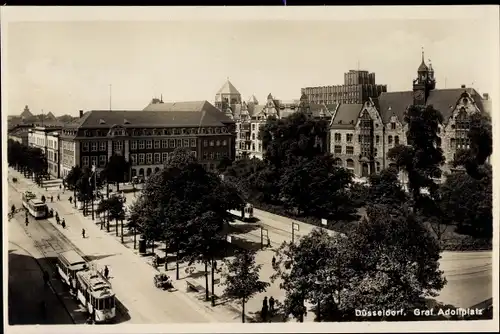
(66, 66)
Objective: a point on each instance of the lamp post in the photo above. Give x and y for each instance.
(94, 190)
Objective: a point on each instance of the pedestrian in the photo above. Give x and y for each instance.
(268, 242)
(52, 199)
(263, 312)
(274, 261)
(215, 265)
(58, 220)
(264, 302)
(83, 233)
(271, 304)
(58, 197)
(106, 272)
(27, 221)
(71, 200)
(63, 223)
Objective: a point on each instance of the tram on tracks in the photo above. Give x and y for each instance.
(245, 214)
(88, 286)
(96, 295)
(35, 207)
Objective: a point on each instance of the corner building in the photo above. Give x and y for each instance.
(362, 134)
(147, 138)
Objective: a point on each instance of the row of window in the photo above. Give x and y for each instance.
(154, 132)
(94, 161)
(165, 143)
(365, 138)
(150, 158)
(95, 146)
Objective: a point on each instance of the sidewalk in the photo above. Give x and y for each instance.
(131, 276)
(247, 234)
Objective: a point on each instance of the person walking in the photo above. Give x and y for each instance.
(83, 233)
(268, 242)
(52, 199)
(264, 311)
(63, 223)
(274, 262)
(58, 220)
(71, 200)
(58, 197)
(271, 304)
(27, 221)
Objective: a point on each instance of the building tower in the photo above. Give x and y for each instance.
(227, 97)
(424, 83)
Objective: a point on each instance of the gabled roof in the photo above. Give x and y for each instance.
(228, 88)
(50, 116)
(346, 116)
(253, 100)
(443, 100)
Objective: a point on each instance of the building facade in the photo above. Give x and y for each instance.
(250, 116)
(147, 138)
(358, 87)
(362, 134)
(46, 138)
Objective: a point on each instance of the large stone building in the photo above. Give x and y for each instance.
(251, 116)
(358, 87)
(362, 134)
(148, 137)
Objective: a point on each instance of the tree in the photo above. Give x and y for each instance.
(242, 279)
(299, 266)
(297, 135)
(469, 202)
(401, 268)
(317, 187)
(116, 211)
(386, 189)
(224, 163)
(72, 178)
(116, 170)
(422, 158)
(84, 188)
(481, 146)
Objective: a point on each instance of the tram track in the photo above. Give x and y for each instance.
(49, 283)
(50, 243)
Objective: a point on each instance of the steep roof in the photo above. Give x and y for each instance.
(228, 88)
(347, 115)
(26, 113)
(50, 116)
(253, 100)
(443, 100)
(148, 118)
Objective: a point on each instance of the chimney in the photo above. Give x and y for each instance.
(486, 96)
(81, 113)
(463, 86)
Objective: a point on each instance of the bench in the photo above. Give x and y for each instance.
(192, 286)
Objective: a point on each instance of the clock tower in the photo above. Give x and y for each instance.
(423, 84)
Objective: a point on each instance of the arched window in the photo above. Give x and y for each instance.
(396, 140)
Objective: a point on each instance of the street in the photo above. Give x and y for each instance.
(130, 276)
(469, 274)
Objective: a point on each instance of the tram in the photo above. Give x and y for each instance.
(96, 295)
(68, 264)
(247, 212)
(35, 207)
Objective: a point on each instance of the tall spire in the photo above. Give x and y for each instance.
(423, 67)
(422, 54)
